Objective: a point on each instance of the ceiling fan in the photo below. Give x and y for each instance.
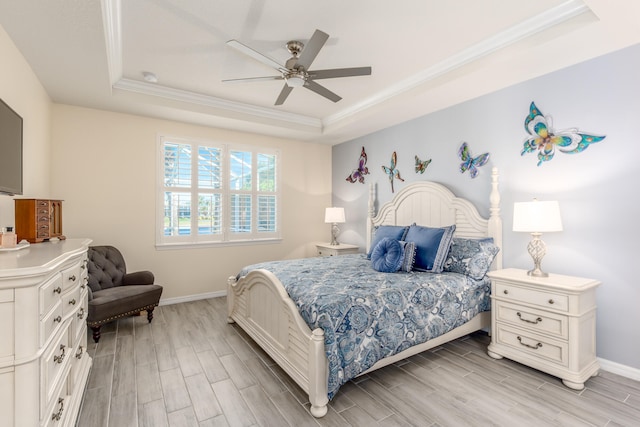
(296, 72)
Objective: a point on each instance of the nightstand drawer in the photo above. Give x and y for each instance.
(533, 319)
(533, 345)
(545, 299)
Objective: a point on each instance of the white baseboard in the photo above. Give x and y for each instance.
(619, 369)
(606, 365)
(189, 298)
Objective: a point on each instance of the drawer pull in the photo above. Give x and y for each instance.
(57, 415)
(72, 302)
(57, 319)
(57, 290)
(59, 359)
(506, 292)
(551, 301)
(535, 347)
(81, 313)
(79, 352)
(538, 320)
(72, 278)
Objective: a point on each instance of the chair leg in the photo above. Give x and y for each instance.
(150, 314)
(96, 333)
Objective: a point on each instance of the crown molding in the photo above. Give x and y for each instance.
(543, 21)
(195, 98)
(112, 24)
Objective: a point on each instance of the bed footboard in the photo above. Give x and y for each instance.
(260, 305)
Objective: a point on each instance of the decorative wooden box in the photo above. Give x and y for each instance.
(38, 220)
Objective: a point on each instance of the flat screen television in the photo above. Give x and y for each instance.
(10, 150)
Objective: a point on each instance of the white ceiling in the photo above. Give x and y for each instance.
(425, 54)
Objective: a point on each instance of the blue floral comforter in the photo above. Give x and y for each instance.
(367, 315)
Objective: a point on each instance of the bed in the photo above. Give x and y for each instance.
(259, 303)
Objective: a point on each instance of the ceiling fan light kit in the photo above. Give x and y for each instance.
(295, 72)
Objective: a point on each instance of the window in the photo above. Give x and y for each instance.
(216, 193)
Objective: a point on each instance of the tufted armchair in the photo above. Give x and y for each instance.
(114, 293)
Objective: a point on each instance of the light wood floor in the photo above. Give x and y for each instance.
(190, 368)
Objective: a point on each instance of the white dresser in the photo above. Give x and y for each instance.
(44, 366)
(546, 323)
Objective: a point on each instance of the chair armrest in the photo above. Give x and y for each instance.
(138, 278)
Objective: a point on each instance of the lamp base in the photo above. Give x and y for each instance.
(536, 272)
(537, 249)
(334, 234)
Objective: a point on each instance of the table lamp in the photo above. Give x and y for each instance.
(334, 216)
(537, 217)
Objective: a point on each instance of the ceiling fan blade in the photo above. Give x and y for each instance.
(321, 90)
(253, 79)
(286, 90)
(255, 55)
(340, 72)
(312, 48)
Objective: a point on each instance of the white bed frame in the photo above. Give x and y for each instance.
(259, 304)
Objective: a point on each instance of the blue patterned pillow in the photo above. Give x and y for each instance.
(432, 246)
(409, 256)
(396, 232)
(387, 256)
(472, 257)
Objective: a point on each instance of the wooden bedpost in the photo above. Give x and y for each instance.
(495, 221)
(370, 214)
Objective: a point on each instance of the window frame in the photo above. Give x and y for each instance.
(226, 237)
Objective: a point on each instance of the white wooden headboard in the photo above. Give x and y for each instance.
(434, 205)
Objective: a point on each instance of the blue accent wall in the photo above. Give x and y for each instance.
(597, 189)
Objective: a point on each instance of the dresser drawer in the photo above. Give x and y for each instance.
(541, 298)
(50, 293)
(49, 324)
(540, 321)
(71, 301)
(56, 412)
(533, 345)
(72, 276)
(79, 354)
(79, 319)
(54, 362)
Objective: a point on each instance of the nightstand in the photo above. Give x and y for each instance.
(547, 323)
(325, 249)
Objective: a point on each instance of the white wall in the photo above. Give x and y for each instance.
(104, 167)
(596, 188)
(22, 91)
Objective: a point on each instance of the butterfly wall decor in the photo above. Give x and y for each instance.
(544, 139)
(470, 163)
(362, 170)
(421, 165)
(391, 171)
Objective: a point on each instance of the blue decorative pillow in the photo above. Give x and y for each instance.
(396, 232)
(432, 246)
(387, 256)
(472, 257)
(409, 256)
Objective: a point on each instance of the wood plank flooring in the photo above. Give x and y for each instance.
(190, 368)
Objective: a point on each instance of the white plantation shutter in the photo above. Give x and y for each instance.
(216, 193)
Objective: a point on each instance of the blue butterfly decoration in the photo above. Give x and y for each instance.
(421, 165)
(391, 171)
(358, 174)
(470, 163)
(544, 139)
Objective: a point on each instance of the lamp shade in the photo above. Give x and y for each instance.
(334, 215)
(537, 217)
